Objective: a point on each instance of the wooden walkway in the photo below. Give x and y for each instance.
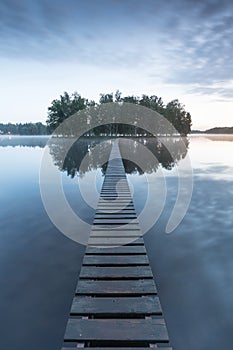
(116, 305)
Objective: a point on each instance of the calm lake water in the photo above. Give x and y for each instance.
(193, 266)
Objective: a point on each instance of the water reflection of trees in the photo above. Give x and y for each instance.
(23, 141)
(72, 162)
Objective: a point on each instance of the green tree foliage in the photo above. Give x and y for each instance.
(106, 98)
(177, 116)
(65, 107)
(68, 105)
(117, 96)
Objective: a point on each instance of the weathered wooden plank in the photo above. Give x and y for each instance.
(114, 241)
(106, 260)
(115, 201)
(120, 348)
(116, 176)
(131, 206)
(106, 202)
(132, 287)
(120, 210)
(106, 228)
(115, 233)
(116, 228)
(148, 305)
(115, 186)
(107, 196)
(116, 221)
(115, 195)
(128, 250)
(131, 272)
(115, 208)
(115, 170)
(117, 215)
(112, 184)
(111, 180)
(117, 198)
(111, 196)
(112, 211)
(152, 330)
(115, 180)
(123, 227)
(109, 226)
(128, 348)
(115, 190)
(119, 191)
(110, 243)
(112, 204)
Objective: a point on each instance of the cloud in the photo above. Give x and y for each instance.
(187, 42)
(221, 91)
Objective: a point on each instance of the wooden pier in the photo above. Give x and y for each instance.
(116, 304)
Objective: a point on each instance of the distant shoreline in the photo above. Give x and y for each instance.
(216, 130)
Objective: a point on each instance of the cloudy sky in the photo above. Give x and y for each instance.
(174, 49)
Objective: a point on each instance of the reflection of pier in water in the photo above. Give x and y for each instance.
(116, 304)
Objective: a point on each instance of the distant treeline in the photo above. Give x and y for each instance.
(23, 129)
(217, 130)
(223, 130)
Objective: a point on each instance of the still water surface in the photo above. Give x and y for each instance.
(193, 266)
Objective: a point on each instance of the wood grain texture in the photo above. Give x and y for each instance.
(123, 250)
(111, 273)
(148, 305)
(115, 260)
(132, 287)
(153, 330)
(114, 241)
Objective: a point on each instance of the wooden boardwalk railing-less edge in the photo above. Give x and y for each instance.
(116, 303)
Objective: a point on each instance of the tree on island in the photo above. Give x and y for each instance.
(67, 105)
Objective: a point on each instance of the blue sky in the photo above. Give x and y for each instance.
(174, 49)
